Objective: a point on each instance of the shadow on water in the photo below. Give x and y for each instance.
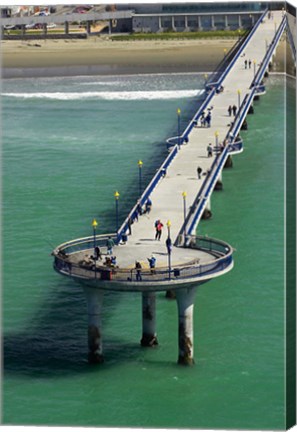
(55, 341)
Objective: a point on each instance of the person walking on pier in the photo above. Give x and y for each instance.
(202, 119)
(138, 271)
(199, 172)
(139, 208)
(159, 227)
(250, 63)
(130, 222)
(230, 110)
(148, 206)
(234, 109)
(152, 262)
(98, 255)
(245, 64)
(110, 245)
(209, 150)
(208, 119)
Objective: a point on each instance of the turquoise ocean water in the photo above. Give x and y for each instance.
(68, 144)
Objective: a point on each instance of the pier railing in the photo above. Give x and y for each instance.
(84, 243)
(242, 47)
(265, 62)
(291, 39)
(221, 251)
(234, 145)
(212, 86)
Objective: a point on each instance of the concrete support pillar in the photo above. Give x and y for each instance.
(219, 183)
(160, 23)
(66, 26)
(109, 26)
(170, 294)
(239, 21)
(226, 23)
(94, 298)
(251, 110)
(212, 22)
(149, 335)
(207, 211)
(44, 29)
(244, 125)
(172, 23)
(199, 23)
(229, 162)
(185, 298)
(186, 23)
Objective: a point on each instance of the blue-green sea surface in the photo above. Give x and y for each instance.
(68, 144)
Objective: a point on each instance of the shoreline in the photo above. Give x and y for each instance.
(104, 57)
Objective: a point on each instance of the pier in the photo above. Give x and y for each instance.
(180, 197)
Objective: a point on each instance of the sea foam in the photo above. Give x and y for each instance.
(117, 95)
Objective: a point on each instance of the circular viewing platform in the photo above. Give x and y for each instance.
(202, 259)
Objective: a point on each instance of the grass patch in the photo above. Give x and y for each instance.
(219, 34)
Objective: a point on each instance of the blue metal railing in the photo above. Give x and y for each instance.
(243, 46)
(205, 191)
(291, 39)
(191, 124)
(264, 65)
(208, 185)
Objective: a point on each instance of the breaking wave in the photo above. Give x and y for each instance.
(116, 95)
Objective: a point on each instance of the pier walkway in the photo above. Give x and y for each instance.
(179, 199)
(168, 201)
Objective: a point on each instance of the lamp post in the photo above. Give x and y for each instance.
(117, 196)
(94, 225)
(140, 163)
(239, 103)
(184, 195)
(178, 126)
(217, 139)
(169, 246)
(255, 68)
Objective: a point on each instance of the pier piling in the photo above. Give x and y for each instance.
(94, 298)
(149, 335)
(229, 162)
(185, 304)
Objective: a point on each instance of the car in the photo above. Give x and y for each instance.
(51, 25)
(33, 26)
(42, 13)
(9, 27)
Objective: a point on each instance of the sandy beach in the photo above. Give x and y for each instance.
(103, 56)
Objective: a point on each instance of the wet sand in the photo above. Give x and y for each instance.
(70, 57)
(105, 57)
